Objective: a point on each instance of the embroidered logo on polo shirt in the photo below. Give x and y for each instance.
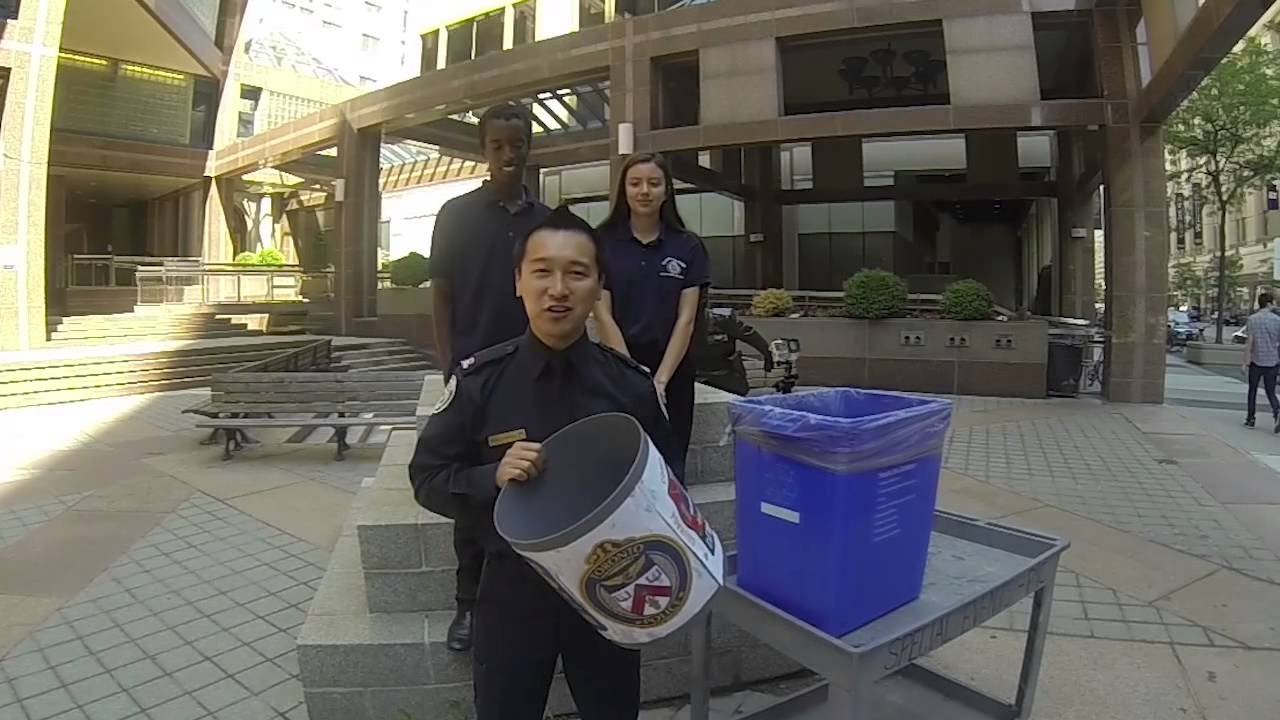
(673, 268)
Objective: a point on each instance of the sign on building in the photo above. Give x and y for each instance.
(1273, 196)
(1180, 221)
(1197, 214)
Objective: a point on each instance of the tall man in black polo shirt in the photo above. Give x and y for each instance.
(473, 291)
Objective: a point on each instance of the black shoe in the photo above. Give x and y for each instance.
(459, 638)
(1249, 422)
(1276, 429)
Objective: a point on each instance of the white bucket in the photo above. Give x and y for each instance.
(609, 525)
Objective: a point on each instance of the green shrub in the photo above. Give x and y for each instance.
(875, 294)
(772, 303)
(246, 258)
(270, 256)
(967, 300)
(410, 271)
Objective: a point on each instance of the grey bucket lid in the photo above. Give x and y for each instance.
(592, 466)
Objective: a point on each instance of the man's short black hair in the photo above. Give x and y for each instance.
(505, 112)
(1264, 300)
(562, 218)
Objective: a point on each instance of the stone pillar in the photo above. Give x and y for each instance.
(991, 60)
(355, 245)
(1076, 209)
(225, 225)
(739, 82)
(837, 164)
(31, 54)
(763, 216)
(55, 282)
(991, 156)
(1137, 242)
(1161, 19)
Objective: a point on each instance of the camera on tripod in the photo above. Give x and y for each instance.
(786, 355)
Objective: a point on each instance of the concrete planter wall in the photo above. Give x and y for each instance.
(1212, 354)
(405, 313)
(945, 356)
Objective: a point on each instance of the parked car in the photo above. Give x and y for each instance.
(1240, 336)
(1181, 331)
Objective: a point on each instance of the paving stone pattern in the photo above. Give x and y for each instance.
(196, 621)
(1098, 464)
(1083, 607)
(18, 520)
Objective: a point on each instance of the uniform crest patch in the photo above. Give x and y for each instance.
(467, 363)
(673, 267)
(641, 582)
(450, 390)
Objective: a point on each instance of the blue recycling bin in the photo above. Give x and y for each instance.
(835, 496)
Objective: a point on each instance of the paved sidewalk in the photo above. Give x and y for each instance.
(142, 577)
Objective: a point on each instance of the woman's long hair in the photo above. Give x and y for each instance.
(620, 211)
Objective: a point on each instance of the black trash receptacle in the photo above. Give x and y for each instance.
(1065, 359)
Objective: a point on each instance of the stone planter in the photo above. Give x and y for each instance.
(1006, 359)
(405, 313)
(1215, 355)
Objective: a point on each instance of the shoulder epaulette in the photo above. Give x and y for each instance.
(626, 360)
(488, 355)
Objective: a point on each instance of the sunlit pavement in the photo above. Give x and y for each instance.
(142, 576)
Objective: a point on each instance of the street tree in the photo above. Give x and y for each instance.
(1187, 282)
(1224, 281)
(1228, 134)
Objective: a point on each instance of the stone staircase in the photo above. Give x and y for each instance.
(373, 646)
(141, 326)
(385, 355)
(55, 377)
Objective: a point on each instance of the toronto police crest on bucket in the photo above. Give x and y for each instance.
(610, 526)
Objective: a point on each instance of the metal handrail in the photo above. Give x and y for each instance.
(197, 285)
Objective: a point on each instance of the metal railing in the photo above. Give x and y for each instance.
(227, 283)
(114, 270)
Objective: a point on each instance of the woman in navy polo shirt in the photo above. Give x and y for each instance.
(656, 271)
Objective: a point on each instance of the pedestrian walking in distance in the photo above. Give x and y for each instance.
(1262, 359)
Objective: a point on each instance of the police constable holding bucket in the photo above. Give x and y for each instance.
(498, 406)
(475, 304)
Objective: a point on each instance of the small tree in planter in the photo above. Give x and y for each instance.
(772, 303)
(874, 295)
(247, 257)
(967, 300)
(270, 256)
(410, 271)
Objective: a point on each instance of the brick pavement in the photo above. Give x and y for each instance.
(1095, 462)
(196, 619)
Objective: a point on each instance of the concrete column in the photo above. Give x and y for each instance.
(739, 81)
(991, 156)
(56, 245)
(1076, 210)
(356, 233)
(1137, 241)
(32, 58)
(763, 217)
(837, 164)
(991, 60)
(225, 224)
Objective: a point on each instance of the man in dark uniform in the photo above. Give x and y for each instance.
(718, 359)
(498, 406)
(475, 304)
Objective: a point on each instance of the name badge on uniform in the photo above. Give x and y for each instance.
(507, 438)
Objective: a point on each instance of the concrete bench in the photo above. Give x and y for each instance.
(315, 399)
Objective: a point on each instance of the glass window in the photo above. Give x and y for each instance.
(489, 33)
(525, 30)
(1064, 55)
(9, 9)
(203, 101)
(855, 70)
(368, 43)
(676, 101)
(431, 51)
(461, 41)
(590, 13)
(372, 8)
(250, 96)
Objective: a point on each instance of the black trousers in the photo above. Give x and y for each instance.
(679, 393)
(470, 554)
(522, 626)
(1267, 375)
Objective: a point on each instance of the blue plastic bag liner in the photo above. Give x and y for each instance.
(843, 430)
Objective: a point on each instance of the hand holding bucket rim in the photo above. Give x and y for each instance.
(614, 531)
(521, 463)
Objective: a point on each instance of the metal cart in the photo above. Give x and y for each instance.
(976, 570)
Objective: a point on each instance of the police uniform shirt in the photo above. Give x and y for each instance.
(523, 390)
(471, 247)
(646, 282)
